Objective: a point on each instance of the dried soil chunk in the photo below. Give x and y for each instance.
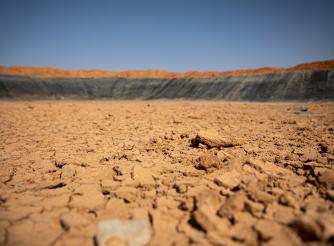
(289, 199)
(307, 228)
(275, 172)
(213, 140)
(243, 233)
(254, 208)
(268, 229)
(314, 226)
(234, 203)
(326, 177)
(3, 225)
(28, 231)
(228, 179)
(206, 217)
(75, 219)
(87, 196)
(281, 214)
(209, 162)
(143, 176)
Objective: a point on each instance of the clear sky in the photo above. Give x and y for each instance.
(176, 35)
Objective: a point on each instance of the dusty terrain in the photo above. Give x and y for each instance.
(46, 72)
(202, 173)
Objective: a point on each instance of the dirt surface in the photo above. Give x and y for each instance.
(46, 72)
(202, 173)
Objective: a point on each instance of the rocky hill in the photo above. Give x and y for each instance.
(46, 72)
(305, 85)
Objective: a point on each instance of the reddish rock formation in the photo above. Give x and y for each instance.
(47, 72)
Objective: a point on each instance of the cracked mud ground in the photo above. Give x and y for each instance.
(202, 173)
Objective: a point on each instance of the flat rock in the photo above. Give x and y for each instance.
(213, 140)
(126, 232)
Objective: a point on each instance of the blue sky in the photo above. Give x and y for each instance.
(176, 35)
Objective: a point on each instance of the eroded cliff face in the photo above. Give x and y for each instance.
(284, 86)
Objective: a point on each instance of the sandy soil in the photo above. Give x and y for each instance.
(201, 172)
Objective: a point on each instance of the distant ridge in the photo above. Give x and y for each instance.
(46, 72)
(315, 85)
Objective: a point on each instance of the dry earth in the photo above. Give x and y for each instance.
(46, 72)
(202, 173)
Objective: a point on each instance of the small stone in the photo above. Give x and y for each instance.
(213, 140)
(129, 232)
